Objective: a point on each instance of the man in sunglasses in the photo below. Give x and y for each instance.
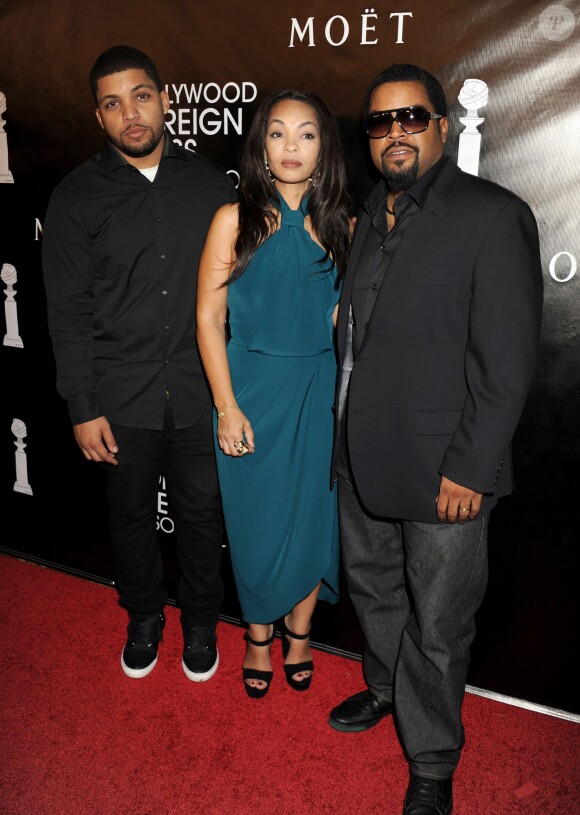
(438, 336)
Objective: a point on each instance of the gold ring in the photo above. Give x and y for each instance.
(241, 447)
(464, 509)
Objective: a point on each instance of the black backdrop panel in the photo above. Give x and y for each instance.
(218, 62)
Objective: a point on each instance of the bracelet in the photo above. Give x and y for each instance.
(222, 413)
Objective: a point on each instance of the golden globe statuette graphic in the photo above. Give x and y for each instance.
(9, 277)
(21, 484)
(472, 96)
(5, 174)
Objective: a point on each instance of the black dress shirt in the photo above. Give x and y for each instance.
(120, 260)
(380, 246)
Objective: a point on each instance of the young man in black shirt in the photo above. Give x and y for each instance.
(123, 236)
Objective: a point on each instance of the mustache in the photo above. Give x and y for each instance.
(396, 145)
(135, 124)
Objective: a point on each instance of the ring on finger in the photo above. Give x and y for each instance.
(241, 447)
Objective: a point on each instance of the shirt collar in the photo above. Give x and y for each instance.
(418, 191)
(111, 159)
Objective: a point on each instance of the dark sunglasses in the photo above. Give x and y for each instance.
(411, 120)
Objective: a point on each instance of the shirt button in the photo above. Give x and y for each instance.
(162, 257)
(163, 292)
(374, 286)
(167, 328)
(158, 220)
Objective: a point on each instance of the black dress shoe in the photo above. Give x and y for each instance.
(359, 712)
(429, 796)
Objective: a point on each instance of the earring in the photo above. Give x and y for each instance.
(314, 179)
(267, 166)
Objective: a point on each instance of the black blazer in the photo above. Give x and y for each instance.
(446, 362)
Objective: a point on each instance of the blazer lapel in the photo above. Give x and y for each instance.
(361, 230)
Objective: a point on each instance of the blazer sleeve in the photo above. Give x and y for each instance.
(502, 347)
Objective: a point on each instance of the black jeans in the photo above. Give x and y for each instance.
(416, 588)
(186, 457)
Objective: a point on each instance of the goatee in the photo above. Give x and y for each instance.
(398, 179)
(138, 150)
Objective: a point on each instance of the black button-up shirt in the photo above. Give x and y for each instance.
(120, 259)
(380, 246)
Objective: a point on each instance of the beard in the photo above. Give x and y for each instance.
(138, 150)
(398, 179)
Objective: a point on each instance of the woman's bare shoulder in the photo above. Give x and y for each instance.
(227, 214)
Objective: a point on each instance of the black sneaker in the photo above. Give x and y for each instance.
(140, 652)
(200, 653)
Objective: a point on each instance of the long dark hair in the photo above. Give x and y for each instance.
(329, 202)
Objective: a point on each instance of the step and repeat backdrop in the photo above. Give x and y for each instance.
(511, 70)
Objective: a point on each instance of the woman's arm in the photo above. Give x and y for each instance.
(212, 305)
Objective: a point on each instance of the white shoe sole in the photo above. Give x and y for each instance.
(203, 677)
(137, 673)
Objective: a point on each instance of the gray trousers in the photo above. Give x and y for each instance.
(415, 588)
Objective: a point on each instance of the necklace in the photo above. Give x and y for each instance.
(390, 211)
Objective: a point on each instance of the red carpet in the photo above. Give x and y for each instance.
(79, 738)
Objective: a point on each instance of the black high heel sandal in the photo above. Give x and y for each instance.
(254, 673)
(290, 670)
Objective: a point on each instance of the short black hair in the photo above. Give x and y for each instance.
(409, 73)
(122, 58)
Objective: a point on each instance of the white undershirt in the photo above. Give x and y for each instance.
(149, 172)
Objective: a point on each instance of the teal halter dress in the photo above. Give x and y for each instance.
(280, 513)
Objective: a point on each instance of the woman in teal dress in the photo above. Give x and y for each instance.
(271, 267)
